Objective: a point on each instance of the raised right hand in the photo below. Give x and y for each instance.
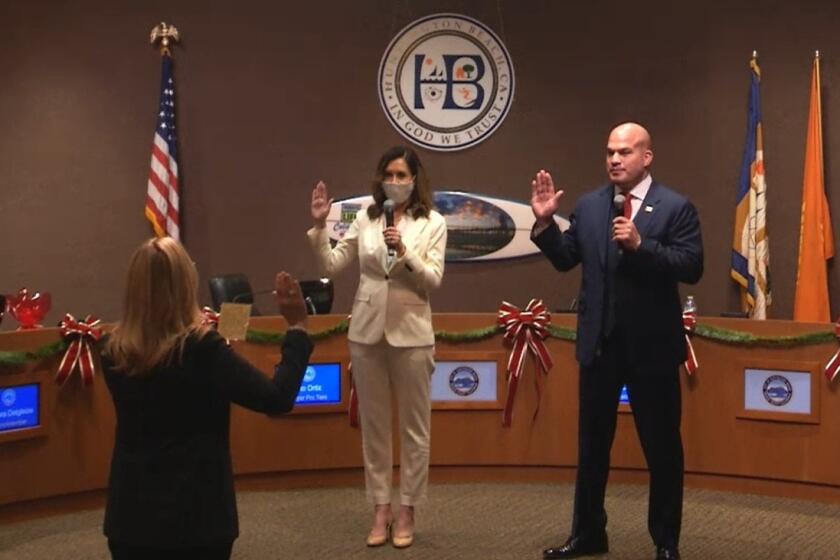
(290, 300)
(544, 200)
(321, 202)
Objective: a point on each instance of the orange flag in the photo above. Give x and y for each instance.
(816, 238)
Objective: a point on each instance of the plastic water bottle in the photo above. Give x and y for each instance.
(690, 306)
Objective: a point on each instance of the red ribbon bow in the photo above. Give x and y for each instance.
(832, 368)
(689, 322)
(526, 330)
(210, 317)
(82, 334)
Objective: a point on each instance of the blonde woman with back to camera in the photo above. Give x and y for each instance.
(391, 336)
(172, 379)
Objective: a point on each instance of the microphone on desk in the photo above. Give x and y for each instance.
(618, 204)
(310, 305)
(388, 208)
(244, 296)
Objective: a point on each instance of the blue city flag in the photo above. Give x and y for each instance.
(750, 243)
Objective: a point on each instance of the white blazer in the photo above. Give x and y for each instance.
(391, 301)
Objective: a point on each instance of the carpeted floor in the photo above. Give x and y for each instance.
(475, 521)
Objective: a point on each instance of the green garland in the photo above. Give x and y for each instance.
(265, 337)
(20, 358)
(740, 338)
(563, 333)
(474, 335)
(717, 334)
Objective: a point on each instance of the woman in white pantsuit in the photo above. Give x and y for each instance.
(391, 336)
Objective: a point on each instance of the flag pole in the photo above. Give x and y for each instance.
(164, 34)
(750, 254)
(812, 300)
(162, 189)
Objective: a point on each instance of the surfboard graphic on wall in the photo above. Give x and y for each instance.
(480, 228)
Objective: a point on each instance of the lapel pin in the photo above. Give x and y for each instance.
(648, 208)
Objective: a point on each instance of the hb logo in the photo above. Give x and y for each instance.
(461, 73)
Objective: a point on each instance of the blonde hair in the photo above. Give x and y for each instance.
(160, 309)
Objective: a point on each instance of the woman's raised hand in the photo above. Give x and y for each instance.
(290, 300)
(321, 203)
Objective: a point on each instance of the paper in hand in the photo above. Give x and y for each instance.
(233, 320)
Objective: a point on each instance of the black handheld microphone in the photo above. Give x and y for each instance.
(388, 208)
(618, 204)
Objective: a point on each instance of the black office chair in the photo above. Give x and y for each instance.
(318, 295)
(231, 288)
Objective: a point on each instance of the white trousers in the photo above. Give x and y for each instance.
(378, 371)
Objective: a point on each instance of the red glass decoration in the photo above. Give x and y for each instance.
(29, 310)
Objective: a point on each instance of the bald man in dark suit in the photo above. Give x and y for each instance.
(636, 240)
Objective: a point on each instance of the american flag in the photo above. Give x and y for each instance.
(162, 189)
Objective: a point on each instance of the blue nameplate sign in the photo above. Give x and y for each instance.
(20, 407)
(321, 385)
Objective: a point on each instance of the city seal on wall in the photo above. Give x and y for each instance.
(446, 82)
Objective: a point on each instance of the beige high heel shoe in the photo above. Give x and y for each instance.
(403, 536)
(403, 540)
(377, 539)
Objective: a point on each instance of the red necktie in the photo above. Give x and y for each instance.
(628, 206)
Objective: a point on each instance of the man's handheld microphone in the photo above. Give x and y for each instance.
(618, 204)
(388, 208)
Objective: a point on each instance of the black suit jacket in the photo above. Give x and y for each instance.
(646, 297)
(171, 481)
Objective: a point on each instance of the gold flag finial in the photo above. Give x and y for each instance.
(165, 34)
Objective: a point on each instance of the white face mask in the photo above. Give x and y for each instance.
(398, 192)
